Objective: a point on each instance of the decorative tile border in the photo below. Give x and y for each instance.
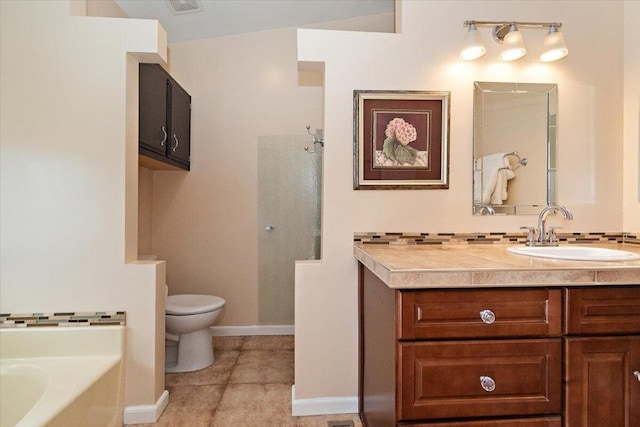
(488, 238)
(632, 238)
(64, 319)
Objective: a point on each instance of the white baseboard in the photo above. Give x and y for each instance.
(146, 413)
(232, 331)
(322, 405)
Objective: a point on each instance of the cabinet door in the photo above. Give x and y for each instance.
(601, 389)
(152, 110)
(180, 138)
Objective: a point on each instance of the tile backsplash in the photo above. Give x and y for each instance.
(62, 319)
(488, 238)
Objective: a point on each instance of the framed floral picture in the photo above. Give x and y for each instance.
(401, 140)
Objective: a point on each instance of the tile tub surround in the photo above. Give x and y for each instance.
(407, 266)
(62, 319)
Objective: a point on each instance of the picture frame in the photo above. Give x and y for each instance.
(401, 140)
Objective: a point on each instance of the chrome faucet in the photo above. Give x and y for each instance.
(542, 218)
(545, 238)
(484, 206)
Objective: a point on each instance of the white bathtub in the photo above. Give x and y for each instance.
(61, 376)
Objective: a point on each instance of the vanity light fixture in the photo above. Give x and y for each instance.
(553, 47)
(507, 34)
(473, 47)
(513, 45)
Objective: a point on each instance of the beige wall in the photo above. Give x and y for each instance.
(145, 210)
(68, 184)
(105, 8)
(425, 57)
(205, 220)
(631, 212)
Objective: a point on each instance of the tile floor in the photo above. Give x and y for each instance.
(249, 384)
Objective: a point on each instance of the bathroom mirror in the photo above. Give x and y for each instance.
(514, 147)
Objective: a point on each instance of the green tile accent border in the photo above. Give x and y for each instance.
(392, 238)
(66, 319)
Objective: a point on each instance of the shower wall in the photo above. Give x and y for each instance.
(289, 204)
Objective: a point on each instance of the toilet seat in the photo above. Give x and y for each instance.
(187, 304)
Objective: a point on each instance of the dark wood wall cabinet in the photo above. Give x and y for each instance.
(165, 120)
(523, 357)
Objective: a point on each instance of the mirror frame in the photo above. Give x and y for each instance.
(550, 90)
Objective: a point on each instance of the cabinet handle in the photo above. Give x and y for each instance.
(487, 383)
(487, 316)
(637, 375)
(175, 138)
(164, 138)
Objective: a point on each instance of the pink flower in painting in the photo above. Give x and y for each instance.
(402, 131)
(390, 132)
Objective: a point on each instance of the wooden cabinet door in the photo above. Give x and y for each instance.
(152, 110)
(600, 386)
(179, 144)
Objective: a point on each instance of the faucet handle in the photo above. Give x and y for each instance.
(552, 234)
(530, 235)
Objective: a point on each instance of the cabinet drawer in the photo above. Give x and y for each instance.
(512, 422)
(458, 313)
(603, 310)
(445, 379)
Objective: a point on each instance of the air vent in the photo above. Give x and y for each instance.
(180, 7)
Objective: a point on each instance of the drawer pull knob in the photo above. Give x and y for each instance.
(637, 375)
(487, 383)
(487, 316)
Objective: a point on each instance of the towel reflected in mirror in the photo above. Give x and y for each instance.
(496, 172)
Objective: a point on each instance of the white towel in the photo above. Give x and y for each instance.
(491, 164)
(494, 178)
(507, 175)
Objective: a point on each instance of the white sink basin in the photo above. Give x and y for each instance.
(579, 253)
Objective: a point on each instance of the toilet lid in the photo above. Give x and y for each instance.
(193, 304)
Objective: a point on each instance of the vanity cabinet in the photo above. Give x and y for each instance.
(164, 120)
(528, 356)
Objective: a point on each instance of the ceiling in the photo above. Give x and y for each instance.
(226, 17)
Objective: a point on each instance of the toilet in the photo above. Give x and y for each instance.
(188, 345)
(188, 318)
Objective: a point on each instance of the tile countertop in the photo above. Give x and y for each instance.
(477, 266)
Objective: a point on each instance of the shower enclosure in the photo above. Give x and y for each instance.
(289, 220)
